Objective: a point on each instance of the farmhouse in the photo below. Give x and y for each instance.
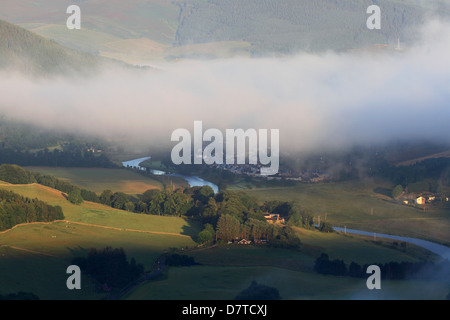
(244, 241)
(274, 218)
(420, 200)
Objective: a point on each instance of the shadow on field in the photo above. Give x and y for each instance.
(191, 229)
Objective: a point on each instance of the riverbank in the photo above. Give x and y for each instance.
(436, 248)
(193, 181)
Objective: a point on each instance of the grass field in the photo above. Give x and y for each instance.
(99, 179)
(225, 270)
(357, 206)
(225, 282)
(337, 246)
(34, 257)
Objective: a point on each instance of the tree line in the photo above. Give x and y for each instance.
(17, 175)
(426, 175)
(229, 228)
(390, 270)
(109, 267)
(73, 157)
(28, 145)
(16, 209)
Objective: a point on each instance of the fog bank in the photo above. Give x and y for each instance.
(328, 101)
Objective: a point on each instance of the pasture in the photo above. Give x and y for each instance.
(358, 205)
(99, 179)
(225, 282)
(34, 257)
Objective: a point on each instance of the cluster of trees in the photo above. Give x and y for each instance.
(229, 228)
(110, 267)
(69, 157)
(232, 214)
(75, 196)
(17, 175)
(225, 216)
(325, 227)
(397, 191)
(428, 185)
(334, 267)
(293, 213)
(15, 209)
(422, 176)
(208, 234)
(28, 145)
(258, 291)
(389, 270)
(21, 136)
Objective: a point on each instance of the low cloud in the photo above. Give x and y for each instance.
(327, 101)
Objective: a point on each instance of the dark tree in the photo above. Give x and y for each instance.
(109, 266)
(258, 292)
(75, 197)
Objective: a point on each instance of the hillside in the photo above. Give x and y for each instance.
(99, 179)
(27, 52)
(132, 30)
(51, 246)
(140, 32)
(30, 53)
(291, 25)
(34, 256)
(101, 215)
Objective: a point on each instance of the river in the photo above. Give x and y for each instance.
(436, 248)
(193, 181)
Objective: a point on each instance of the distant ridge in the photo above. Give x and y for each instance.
(27, 52)
(144, 31)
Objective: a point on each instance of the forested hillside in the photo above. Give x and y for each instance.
(29, 145)
(27, 52)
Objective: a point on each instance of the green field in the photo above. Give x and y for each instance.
(219, 282)
(336, 245)
(99, 179)
(357, 205)
(34, 257)
(225, 270)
